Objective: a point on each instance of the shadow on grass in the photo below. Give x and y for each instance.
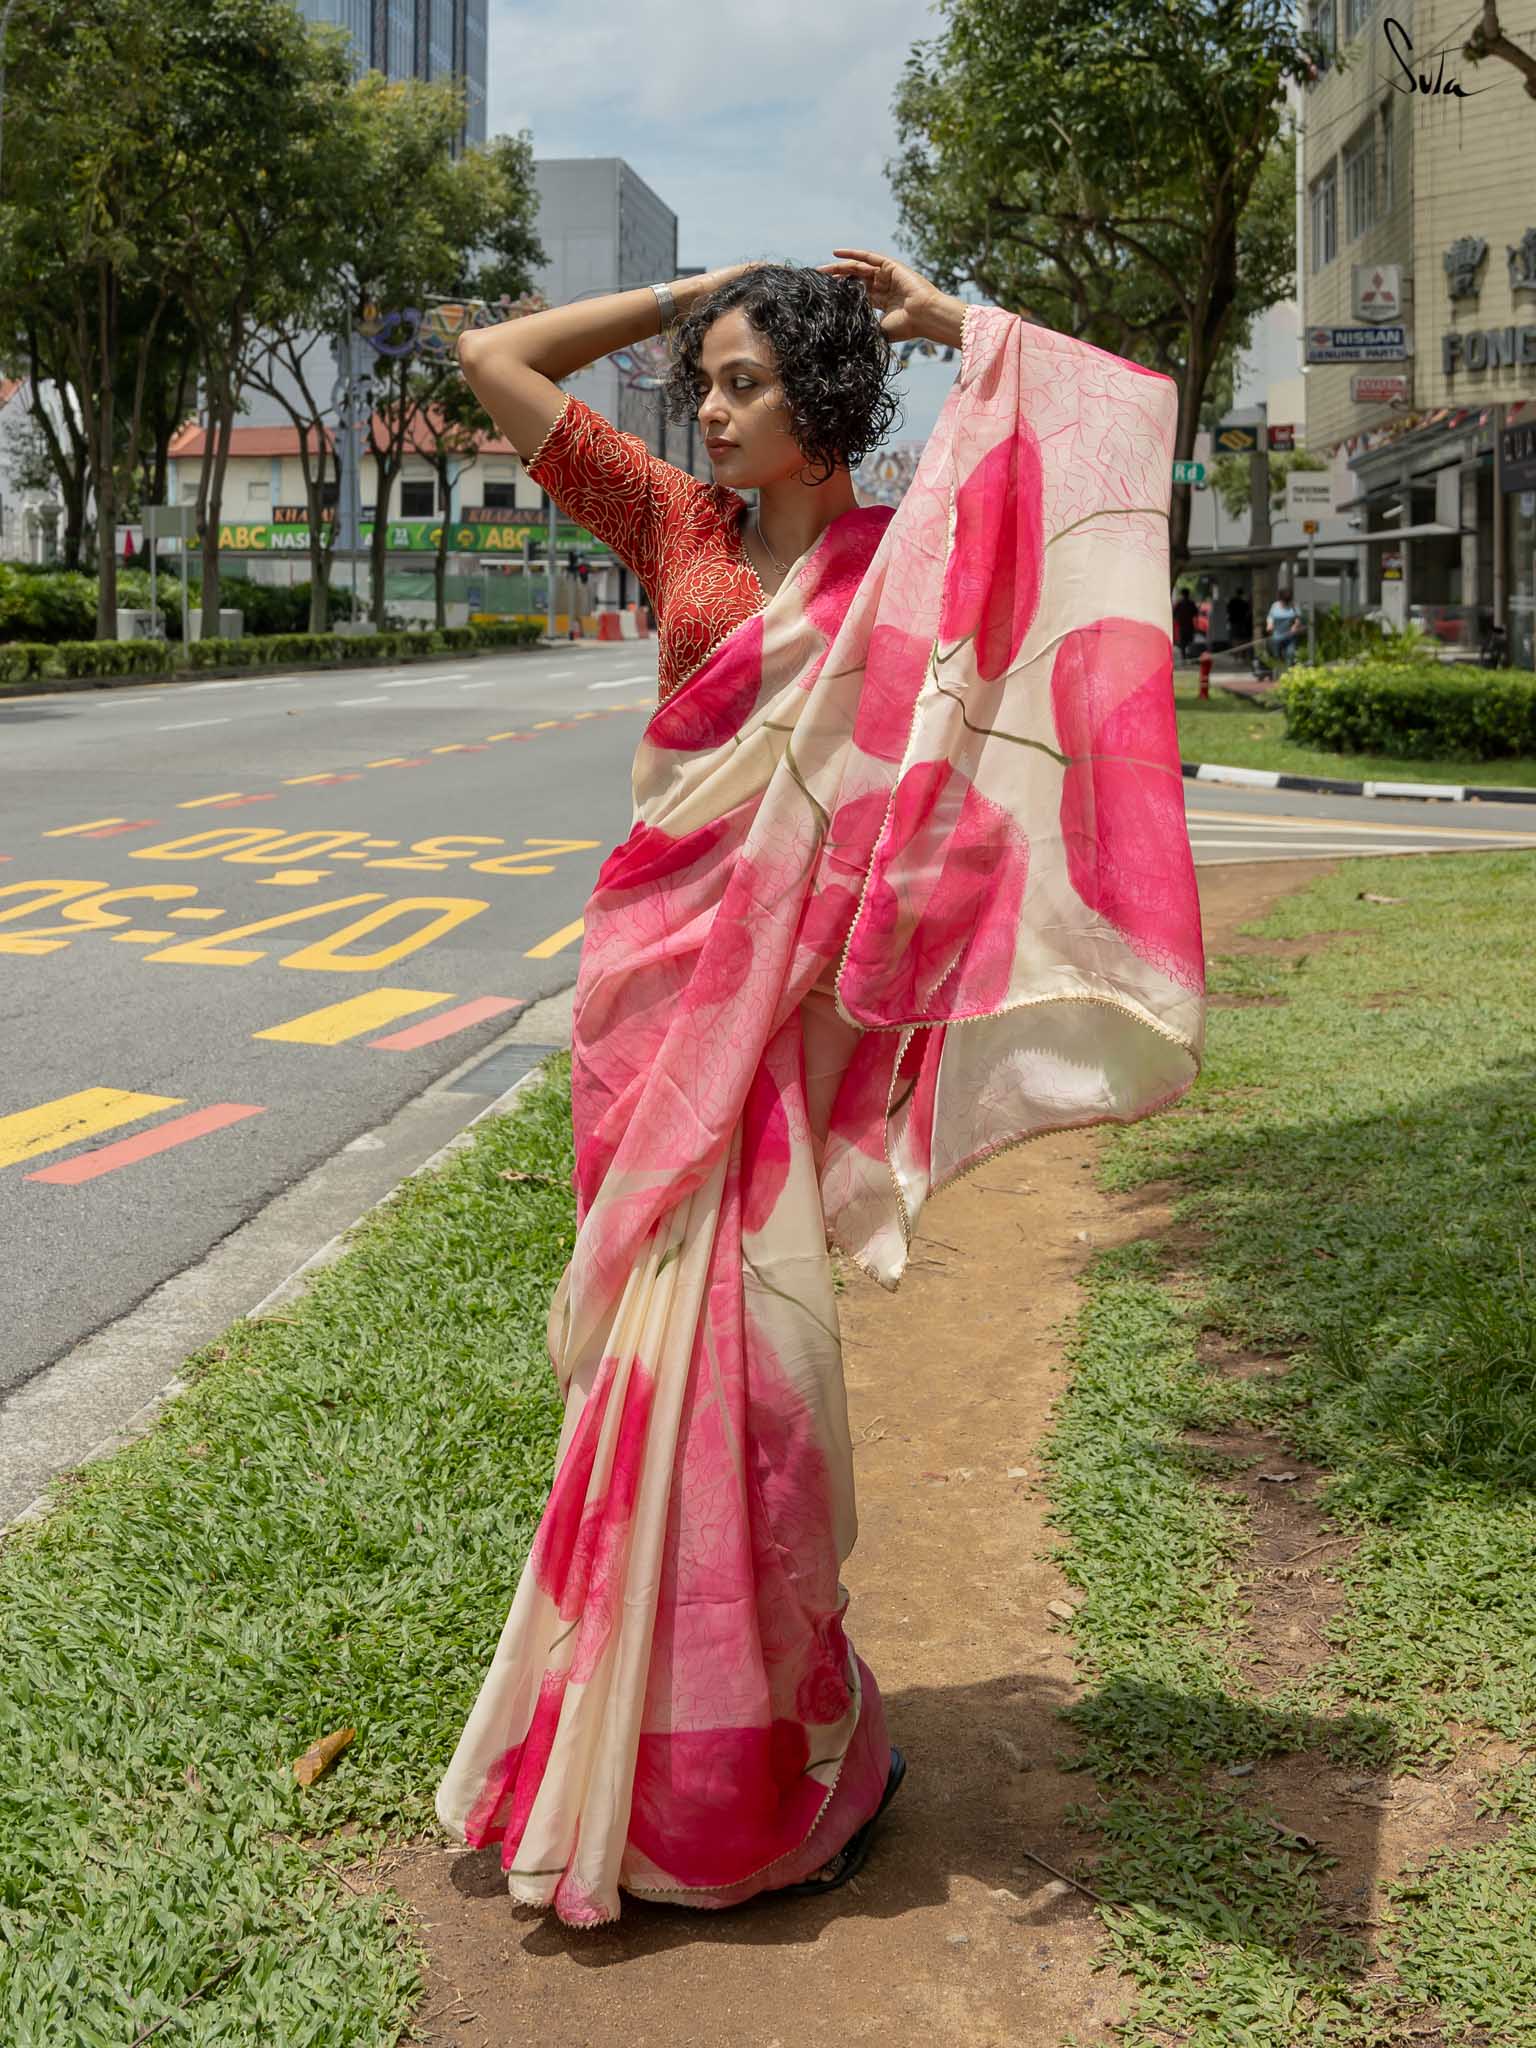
(1169, 1848)
(1394, 1250)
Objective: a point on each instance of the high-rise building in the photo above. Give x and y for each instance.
(605, 230)
(416, 39)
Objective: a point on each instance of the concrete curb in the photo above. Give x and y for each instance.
(1271, 778)
(141, 1420)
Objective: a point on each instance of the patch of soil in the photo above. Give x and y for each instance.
(962, 1925)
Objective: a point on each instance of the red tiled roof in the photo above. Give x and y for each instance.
(269, 441)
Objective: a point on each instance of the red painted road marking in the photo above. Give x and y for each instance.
(447, 1022)
(125, 825)
(108, 1158)
(233, 803)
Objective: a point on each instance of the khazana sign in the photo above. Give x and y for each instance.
(411, 536)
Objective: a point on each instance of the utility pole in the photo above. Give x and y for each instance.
(549, 587)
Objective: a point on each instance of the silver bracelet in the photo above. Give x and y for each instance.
(668, 305)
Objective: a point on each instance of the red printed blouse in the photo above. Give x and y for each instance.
(681, 537)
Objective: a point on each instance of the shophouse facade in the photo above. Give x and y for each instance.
(1419, 214)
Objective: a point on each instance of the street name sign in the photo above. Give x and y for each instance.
(1308, 494)
(1189, 473)
(1357, 344)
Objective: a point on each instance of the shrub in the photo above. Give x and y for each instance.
(58, 604)
(1421, 711)
(26, 661)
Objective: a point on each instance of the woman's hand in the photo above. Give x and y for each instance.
(910, 308)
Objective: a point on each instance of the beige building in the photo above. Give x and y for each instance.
(1418, 212)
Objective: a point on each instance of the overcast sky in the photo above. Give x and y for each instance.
(766, 129)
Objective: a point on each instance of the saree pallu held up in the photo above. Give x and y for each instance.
(908, 882)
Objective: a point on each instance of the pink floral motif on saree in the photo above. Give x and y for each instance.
(908, 883)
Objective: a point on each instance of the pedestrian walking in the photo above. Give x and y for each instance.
(1185, 615)
(1240, 622)
(910, 768)
(1283, 626)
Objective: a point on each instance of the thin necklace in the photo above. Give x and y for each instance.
(757, 521)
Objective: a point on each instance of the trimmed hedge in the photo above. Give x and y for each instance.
(1419, 711)
(24, 662)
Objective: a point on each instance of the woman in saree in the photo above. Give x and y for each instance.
(908, 882)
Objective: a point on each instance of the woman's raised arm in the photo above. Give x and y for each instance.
(514, 368)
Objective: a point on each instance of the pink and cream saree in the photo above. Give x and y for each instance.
(908, 883)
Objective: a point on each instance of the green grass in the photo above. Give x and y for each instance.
(1360, 1181)
(325, 1532)
(1239, 733)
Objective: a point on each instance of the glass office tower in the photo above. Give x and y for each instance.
(417, 39)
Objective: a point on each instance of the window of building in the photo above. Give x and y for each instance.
(1325, 218)
(1356, 14)
(1388, 169)
(1321, 21)
(258, 490)
(1360, 183)
(418, 498)
(503, 496)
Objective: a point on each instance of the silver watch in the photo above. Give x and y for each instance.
(667, 303)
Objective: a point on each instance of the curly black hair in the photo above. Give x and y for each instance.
(834, 362)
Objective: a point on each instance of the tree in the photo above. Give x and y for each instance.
(1124, 172)
(1489, 40)
(469, 221)
(1230, 478)
(260, 110)
(90, 243)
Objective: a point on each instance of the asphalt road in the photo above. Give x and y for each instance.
(242, 923)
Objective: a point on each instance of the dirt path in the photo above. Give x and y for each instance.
(953, 1931)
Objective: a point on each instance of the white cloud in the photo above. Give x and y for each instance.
(765, 129)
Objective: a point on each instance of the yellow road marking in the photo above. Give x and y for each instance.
(90, 825)
(295, 877)
(543, 725)
(144, 938)
(457, 747)
(556, 942)
(341, 1021)
(1315, 825)
(197, 802)
(196, 913)
(391, 761)
(297, 781)
(27, 1132)
(503, 735)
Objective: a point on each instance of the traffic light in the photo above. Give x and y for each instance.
(582, 569)
(570, 562)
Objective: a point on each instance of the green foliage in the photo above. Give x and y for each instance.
(1418, 709)
(58, 605)
(24, 664)
(1353, 1198)
(325, 1532)
(1123, 173)
(1345, 636)
(1230, 478)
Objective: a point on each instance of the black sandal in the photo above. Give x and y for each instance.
(849, 1860)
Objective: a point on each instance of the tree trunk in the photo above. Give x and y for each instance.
(221, 422)
(319, 552)
(440, 570)
(378, 542)
(103, 475)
